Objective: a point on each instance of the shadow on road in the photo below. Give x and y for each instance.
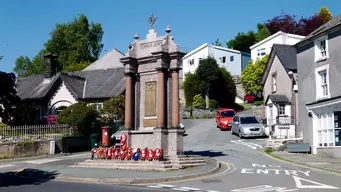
(205, 153)
(26, 177)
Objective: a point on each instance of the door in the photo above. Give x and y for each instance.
(233, 124)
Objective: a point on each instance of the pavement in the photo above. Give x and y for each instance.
(249, 169)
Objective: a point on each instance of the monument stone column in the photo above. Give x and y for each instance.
(161, 98)
(175, 97)
(128, 116)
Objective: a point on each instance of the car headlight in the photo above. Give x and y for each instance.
(225, 122)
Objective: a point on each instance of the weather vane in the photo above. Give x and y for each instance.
(152, 20)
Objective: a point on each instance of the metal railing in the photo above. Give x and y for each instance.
(15, 134)
(282, 127)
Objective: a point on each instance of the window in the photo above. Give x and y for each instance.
(261, 52)
(274, 83)
(231, 58)
(248, 120)
(225, 114)
(281, 109)
(321, 49)
(199, 60)
(223, 60)
(322, 82)
(191, 61)
(236, 119)
(328, 132)
(99, 106)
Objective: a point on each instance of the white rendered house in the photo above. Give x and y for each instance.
(262, 48)
(234, 61)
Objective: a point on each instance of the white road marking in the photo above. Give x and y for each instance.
(4, 166)
(242, 143)
(190, 188)
(318, 163)
(179, 189)
(42, 161)
(263, 188)
(315, 186)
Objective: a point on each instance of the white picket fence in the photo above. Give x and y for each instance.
(15, 134)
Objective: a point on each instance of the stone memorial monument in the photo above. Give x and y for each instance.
(152, 107)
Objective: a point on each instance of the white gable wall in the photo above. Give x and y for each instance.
(277, 38)
(235, 66)
(62, 98)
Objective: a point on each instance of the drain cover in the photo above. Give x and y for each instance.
(211, 181)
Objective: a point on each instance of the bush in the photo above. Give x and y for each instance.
(191, 87)
(198, 101)
(113, 109)
(213, 104)
(257, 103)
(241, 107)
(82, 117)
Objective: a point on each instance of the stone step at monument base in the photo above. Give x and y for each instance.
(171, 163)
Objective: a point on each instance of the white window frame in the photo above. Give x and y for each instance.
(231, 58)
(281, 110)
(191, 61)
(320, 54)
(274, 83)
(260, 52)
(223, 59)
(325, 130)
(319, 86)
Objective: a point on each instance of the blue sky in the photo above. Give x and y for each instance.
(26, 24)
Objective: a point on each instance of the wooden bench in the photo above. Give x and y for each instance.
(298, 148)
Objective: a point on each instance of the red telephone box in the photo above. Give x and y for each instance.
(105, 136)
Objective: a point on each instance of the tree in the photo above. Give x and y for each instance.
(191, 87)
(113, 109)
(198, 101)
(325, 14)
(81, 116)
(262, 32)
(207, 72)
(252, 76)
(8, 98)
(77, 44)
(217, 43)
(288, 24)
(242, 42)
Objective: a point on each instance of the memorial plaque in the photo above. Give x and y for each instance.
(150, 99)
(149, 122)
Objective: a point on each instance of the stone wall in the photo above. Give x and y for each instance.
(199, 113)
(34, 148)
(259, 112)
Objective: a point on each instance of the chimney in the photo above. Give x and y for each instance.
(51, 65)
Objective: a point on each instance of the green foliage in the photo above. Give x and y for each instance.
(198, 101)
(191, 87)
(3, 126)
(325, 14)
(262, 32)
(217, 43)
(77, 67)
(252, 76)
(207, 72)
(223, 89)
(243, 41)
(241, 107)
(213, 104)
(113, 109)
(77, 44)
(26, 114)
(8, 97)
(80, 116)
(257, 103)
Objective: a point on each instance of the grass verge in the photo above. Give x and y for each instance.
(269, 152)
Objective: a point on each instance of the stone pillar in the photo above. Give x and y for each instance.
(161, 98)
(128, 121)
(175, 98)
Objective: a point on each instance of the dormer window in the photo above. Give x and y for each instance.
(321, 49)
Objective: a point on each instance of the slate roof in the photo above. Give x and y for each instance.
(83, 84)
(287, 56)
(108, 61)
(336, 21)
(277, 98)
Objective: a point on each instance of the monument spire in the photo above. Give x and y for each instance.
(152, 20)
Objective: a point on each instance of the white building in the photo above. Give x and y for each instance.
(234, 61)
(262, 48)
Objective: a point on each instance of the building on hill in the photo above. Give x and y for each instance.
(262, 48)
(54, 91)
(232, 60)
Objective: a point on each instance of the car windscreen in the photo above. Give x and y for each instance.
(225, 114)
(248, 120)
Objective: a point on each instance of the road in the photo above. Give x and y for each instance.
(249, 168)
